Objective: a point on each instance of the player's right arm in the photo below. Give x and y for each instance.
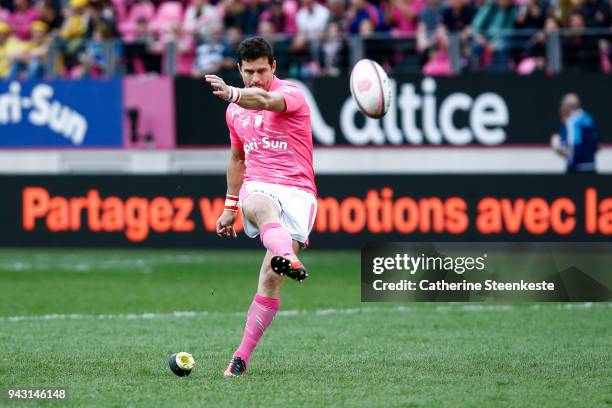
(235, 171)
(235, 177)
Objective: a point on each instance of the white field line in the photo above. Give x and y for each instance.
(473, 308)
(77, 264)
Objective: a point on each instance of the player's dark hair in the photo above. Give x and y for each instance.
(254, 48)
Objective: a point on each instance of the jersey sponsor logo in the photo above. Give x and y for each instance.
(235, 110)
(265, 143)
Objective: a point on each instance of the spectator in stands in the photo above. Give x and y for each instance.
(429, 19)
(4, 13)
(101, 17)
(139, 53)
(201, 19)
(143, 33)
(209, 55)
(457, 17)
(108, 14)
(48, 14)
(492, 39)
(9, 46)
(252, 12)
(32, 55)
(562, 9)
(366, 29)
(95, 60)
(311, 20)
(597, 13)
(337, 13)
(371, 47)
(76, 22)
(404, 16)
(439, 63)
(233, 37)
(530, 20)
(333, 50)
(531, 15)
(266, 29)
(279, 42)
(364, 10)
(183, 47)
(577, 140)
(277, 17)
(233, 13)
(535, 49)
(380, 49)
(22, 18)
(74, 33)
(431, 15)
(580, 51)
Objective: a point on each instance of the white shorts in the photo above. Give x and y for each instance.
(297, 208)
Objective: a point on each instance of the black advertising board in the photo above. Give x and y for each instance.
(478, 110)
(200, 116)
(181, 211)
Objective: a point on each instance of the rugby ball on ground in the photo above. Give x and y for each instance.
(370, 88)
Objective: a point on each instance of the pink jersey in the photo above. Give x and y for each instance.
(277, 145)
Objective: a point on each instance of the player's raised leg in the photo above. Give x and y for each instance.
(262, 211)
(270, 282)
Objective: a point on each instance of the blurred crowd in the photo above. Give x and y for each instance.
(77, 38)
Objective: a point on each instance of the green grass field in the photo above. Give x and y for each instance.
(101, 324)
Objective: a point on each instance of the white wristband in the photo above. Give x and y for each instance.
(234, 94)
(231, 203)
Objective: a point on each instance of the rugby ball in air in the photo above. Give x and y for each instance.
(370, 88)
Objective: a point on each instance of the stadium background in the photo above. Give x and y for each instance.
(110, 141)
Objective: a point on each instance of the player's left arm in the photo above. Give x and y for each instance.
(248, 98)
(558, 141)
(259, 99)
(558, 145)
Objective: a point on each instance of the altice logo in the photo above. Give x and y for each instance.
(43, 111)
(419, 118)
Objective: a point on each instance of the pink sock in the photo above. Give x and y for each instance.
(260, 315)
(276, 239)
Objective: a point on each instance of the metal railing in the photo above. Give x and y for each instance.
(553, 52)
